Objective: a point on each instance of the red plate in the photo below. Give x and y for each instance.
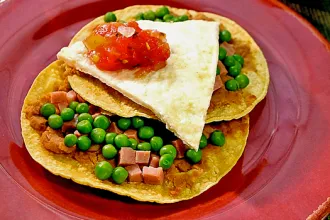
(283, 173)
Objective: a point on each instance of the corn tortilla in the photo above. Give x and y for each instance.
(216, 162)
(224, 105)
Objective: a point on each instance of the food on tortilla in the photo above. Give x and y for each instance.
(225, 105)
(72, 154)
(132, 156)
(179, 93)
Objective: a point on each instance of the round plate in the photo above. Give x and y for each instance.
(284, 170)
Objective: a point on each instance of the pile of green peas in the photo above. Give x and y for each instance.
(94, 132)
(234, 65)
(162, 14)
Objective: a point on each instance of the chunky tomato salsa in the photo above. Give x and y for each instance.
(115, 46)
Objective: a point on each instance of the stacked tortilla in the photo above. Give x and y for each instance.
(222, 105)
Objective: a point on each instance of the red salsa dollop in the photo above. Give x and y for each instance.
(116, 46)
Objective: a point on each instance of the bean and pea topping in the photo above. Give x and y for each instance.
(94, 130)
(233, 64)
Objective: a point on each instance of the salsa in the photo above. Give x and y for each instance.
(115, 46)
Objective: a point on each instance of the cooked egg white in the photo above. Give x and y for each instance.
(180, 93)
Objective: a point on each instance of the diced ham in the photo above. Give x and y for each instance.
(142, 157)
(93, 109)
(134, 173)
(130, 133)
(77, 133)
(70, 125)
(180, 148)
(113, 128)
(208, 130)
(71, 96)
(223, 70)
(58, 97)
(218, 83)
(154, 160)
(95, 115)
(153, 175)
(229, 48)
(62, 106)
(80, 99)
(126, 156)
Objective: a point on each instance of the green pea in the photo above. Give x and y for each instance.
(70, 140)
(103, 170)
(119, 175)
(183, 18)
(232, 85)
(168, 18)
(98, 135)
(218, 70)
(194, 156)
(139, 16)
(67, 114)
(47, 110)
(121, 140)
(149, 15)
(222, 53)
(110, 137)
(168, 149)
(137, 122)
(82, 108)
(156, 143)
(229, 61)
(84, 127)
(124, 123)
(218, 138)
(234, 70)
(176, 19)
(159, 20)
(243, 81)
(225, 36)
(203, 142)
(73, 105)
(109, 151)
(166, 161)
(110, 17)
(101, 121)
(145, 146)
(162, 11)
(134, 143)
(146, 132)
(239, 58)
(85, 116)
(84, 143)
(55, 121)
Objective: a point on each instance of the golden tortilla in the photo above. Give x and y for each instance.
(216, 162)
(225, 105)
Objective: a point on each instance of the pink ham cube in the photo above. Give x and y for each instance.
(126, 156)
(154, 176)
(58, 97)
(180, 148)
(130, 133)
(134, 173)
(142, 157)
(154, 161)
(113, 128)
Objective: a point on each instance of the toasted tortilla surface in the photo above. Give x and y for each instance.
(225, 105)
(178, 186)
